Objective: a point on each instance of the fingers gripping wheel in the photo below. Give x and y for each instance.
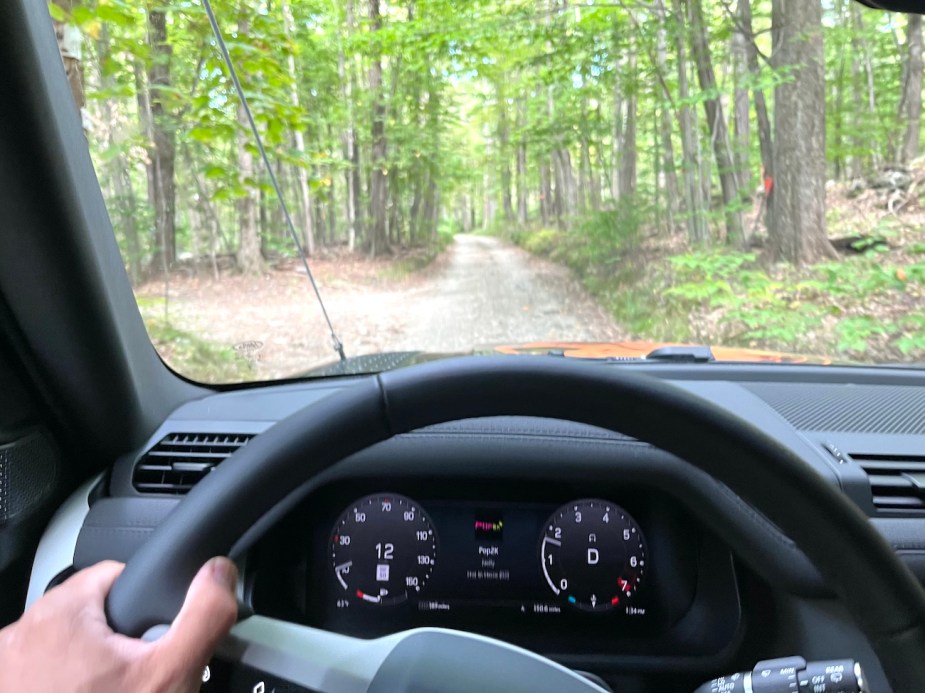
(256, 484)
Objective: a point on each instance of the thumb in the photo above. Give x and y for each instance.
(209, 611)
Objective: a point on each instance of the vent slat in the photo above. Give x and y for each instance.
(894, 481)
(182, 453)
(899, 503)
(179, 461)
(886, 481)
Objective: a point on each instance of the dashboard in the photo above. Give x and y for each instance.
(474, 525)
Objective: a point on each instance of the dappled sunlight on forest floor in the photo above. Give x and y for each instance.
(481, 292)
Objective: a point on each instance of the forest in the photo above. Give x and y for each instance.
(743, 171)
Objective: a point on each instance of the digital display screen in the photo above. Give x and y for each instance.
(518, 563)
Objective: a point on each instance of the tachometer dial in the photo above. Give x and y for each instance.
(383, 549)
(593, 555)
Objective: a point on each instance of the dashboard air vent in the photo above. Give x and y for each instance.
(897, 482)
(180, 460)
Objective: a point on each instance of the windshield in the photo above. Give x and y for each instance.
(591, 179)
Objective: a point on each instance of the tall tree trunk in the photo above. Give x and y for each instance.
(797, 202)
(713, 108)
(565, 186)
(504, 159)
(348, 138)
(597, 183)
(354, 185)
(761, 109)
(207, 212)
(162, 145)
(863, 63)
(857, 162)
(545, 190)
(488, 202)
(118, 170)
(521, 165)
(308, 235)
(616, 135)
(248, 258)
(628, 152)
(665, 130)
(584, 160)
(911, 102)
(585, 193)
(740, 107)
(433, 192)
(331, 237)
(378, 191)
(838, 124)
(698, 232)
(69, 45)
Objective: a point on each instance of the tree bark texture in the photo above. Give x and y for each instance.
(308, 234)
(719, 133)
(797, 202)
(911, 102)
(698, 233)
(162, 149)
(378, 190)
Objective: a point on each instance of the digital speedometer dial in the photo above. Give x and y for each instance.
(593, 555)
(383, 548)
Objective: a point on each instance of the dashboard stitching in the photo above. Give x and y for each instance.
(524, 431)
(500, 436)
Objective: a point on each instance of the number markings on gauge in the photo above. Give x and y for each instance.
(593, 554)
(383, 547)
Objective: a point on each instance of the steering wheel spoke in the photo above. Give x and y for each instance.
(316, 659)
(419, 659)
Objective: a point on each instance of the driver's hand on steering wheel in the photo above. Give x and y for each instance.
(63, 642)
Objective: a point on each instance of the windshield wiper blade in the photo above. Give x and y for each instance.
(216, 30)
(682, 354)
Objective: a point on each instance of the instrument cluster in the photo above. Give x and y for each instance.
(572, 569)
(588, 554)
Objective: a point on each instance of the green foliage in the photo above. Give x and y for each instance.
(418, 259)
(192, 356)
(615, 230)
(542, 241)
(825, 305)
(729, 298)
(911, 339)
(463, 86)
(479, 101)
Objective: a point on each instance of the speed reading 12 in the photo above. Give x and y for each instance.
(383, 548)
(593, 555)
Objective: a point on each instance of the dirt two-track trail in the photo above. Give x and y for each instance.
(482, 292)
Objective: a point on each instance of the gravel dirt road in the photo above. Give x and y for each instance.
(481, 292)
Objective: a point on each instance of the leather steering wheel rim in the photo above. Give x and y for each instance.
(248, 491)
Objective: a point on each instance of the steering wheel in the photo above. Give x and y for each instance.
(235, 504)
